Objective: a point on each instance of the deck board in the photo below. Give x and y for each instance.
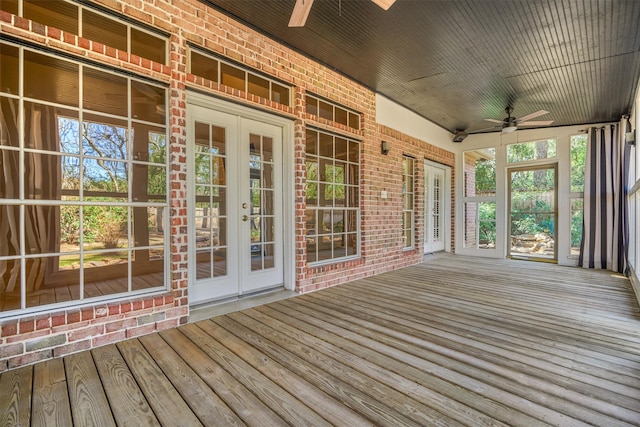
(454, 341)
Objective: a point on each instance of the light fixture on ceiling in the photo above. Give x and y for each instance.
(303, 7)
(385, 4)
(509, 129)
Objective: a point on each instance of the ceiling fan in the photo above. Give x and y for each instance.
(303, 7)
(510, 123)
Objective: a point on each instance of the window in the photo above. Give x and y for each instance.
(578, 156)
(208, 67)
(408, 213)
(480, 199)
(83, 196)
(93, 25)
(333, 112)
(535, 150)
(332, 197)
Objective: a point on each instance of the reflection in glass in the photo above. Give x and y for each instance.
(106, 138)
(148, 102)
(9, 68)
(104, 227)
(63, 73)
(104, 92)
(148, 46)
(147, 268)
(37, 281)
(104, 30)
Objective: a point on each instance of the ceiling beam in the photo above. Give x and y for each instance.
(300, 13)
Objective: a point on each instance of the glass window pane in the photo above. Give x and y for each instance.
(62, 82)
(258, 86)
(577, 215)
(204, 66)
(311, 142)
(148, 46)
(104, 137)
(105, 227)
(279, 94)
(354, 121)
(10, 215)
(341, 116)
(535, 150)
(341, 148)
(148, 102)
(9, 68)
(105, 30)
(203, 263)
(147, 268)
(326, 145)
(232, 76)
(53, 13)
(42, 173)
(325, 110)
(68, 132)
(10, 6)
(220, 262)
(104, 92)
(107, 177)
(480, 172)
(578, 156)
(9, 185)
(47, 285)
(354, 152)
(9, 122)
(311, 105)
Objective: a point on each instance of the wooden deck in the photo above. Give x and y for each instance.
(452, 341)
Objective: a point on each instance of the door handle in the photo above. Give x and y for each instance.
(245, 218)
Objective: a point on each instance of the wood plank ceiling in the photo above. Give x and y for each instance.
(458, 62)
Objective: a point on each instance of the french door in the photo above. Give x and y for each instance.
(434, 210)
(235, 189)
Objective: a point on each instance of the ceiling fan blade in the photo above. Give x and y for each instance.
(532, 115)
(536, 123)
(385, 4)
(493, 121)
(300, 13)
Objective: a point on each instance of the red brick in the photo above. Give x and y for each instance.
(27, 325)
(9, 329)
(141, 330)
(30, 358)
(57, 319)
(5, 16)
(73, 316)
(43, 322)
(87, 314)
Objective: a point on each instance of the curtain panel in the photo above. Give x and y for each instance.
(605, 234)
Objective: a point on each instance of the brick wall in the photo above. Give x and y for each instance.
(37, 337)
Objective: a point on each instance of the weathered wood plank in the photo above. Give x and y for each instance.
(321, 408)
(89, 404)
(361, 392)
(463, 406)
(410, 321)
(203, 401)
(129, 406)
(272, 394)
(163, 398)
(245, 404)
(51, 405)
(15, 397)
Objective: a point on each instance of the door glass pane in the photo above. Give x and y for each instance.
(262, 200)
(211, 201)
(533, 213)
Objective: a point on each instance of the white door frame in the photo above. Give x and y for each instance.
(446, 209)
(288, 165)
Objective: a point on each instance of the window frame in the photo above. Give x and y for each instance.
(82, 199)
(408, 204)
(352, 191)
